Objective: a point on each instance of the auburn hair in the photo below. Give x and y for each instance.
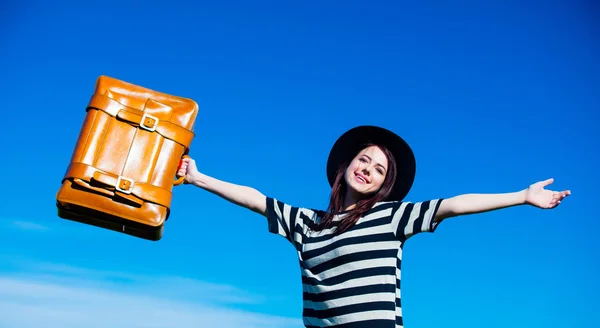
(338, 192)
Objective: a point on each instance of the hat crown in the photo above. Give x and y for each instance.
(350, 143)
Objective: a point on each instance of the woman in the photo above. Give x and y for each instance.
(350, 254)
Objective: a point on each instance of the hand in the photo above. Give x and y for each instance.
(189, 169)
(536, 195)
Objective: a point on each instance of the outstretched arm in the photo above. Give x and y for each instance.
(244, 196)
(534, 195)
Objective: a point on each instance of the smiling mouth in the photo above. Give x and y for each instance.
(361, 178)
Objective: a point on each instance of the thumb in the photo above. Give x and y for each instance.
(547, 182)
(191, 163)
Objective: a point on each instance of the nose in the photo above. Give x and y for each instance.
(366, 170)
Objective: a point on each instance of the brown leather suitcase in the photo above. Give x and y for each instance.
(123, 168)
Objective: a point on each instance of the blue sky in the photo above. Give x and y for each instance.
(492, 97)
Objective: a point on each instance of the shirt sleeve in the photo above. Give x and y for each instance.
(409, 219)
(286, 220)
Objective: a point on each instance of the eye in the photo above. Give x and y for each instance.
(380, 171)
(362, 159)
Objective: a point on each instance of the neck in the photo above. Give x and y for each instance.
(350, 200)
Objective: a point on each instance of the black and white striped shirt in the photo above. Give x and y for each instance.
(352, 279)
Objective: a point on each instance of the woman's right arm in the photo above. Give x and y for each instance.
(245, 196)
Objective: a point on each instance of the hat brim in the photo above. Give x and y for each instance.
(351, 142)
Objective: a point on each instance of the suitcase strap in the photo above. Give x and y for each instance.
(144, 120)
(120, 184)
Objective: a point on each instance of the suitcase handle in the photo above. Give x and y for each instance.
(180, 180)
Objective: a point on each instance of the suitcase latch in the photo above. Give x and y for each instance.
(149, 122)
(124, 185)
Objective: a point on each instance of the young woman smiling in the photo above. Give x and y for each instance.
(350, 254)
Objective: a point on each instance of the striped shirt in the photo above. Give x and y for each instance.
(352, 279)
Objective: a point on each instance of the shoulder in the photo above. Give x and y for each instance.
(383, 208)
(407, 206)
(286, 208)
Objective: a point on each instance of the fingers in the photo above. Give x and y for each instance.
(181, 163)
(557, 198)
(183, 166)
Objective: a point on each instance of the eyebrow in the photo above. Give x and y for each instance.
(370, 159)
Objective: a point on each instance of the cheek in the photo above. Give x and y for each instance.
(379, 181)
(351, 168)
(349, 173)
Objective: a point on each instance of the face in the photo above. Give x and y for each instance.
(367, 171)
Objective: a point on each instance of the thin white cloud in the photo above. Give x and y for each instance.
(69, 297)
(160, 285)
(26, 225)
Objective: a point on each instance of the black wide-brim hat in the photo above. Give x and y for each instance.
(351, 142)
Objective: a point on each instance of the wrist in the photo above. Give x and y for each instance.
(199, 180)
(522, 197)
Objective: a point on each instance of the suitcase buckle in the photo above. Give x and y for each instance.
(148, 122)
(124, 185)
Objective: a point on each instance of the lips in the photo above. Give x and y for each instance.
(361, 178)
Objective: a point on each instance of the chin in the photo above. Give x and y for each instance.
(357, 189)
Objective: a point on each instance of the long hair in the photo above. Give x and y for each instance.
(338, 192)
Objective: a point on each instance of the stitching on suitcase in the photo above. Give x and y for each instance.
(152, 177)
(87, 139)
(137, 130)
(105, 132)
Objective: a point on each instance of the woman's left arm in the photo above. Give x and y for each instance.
(534, 195)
